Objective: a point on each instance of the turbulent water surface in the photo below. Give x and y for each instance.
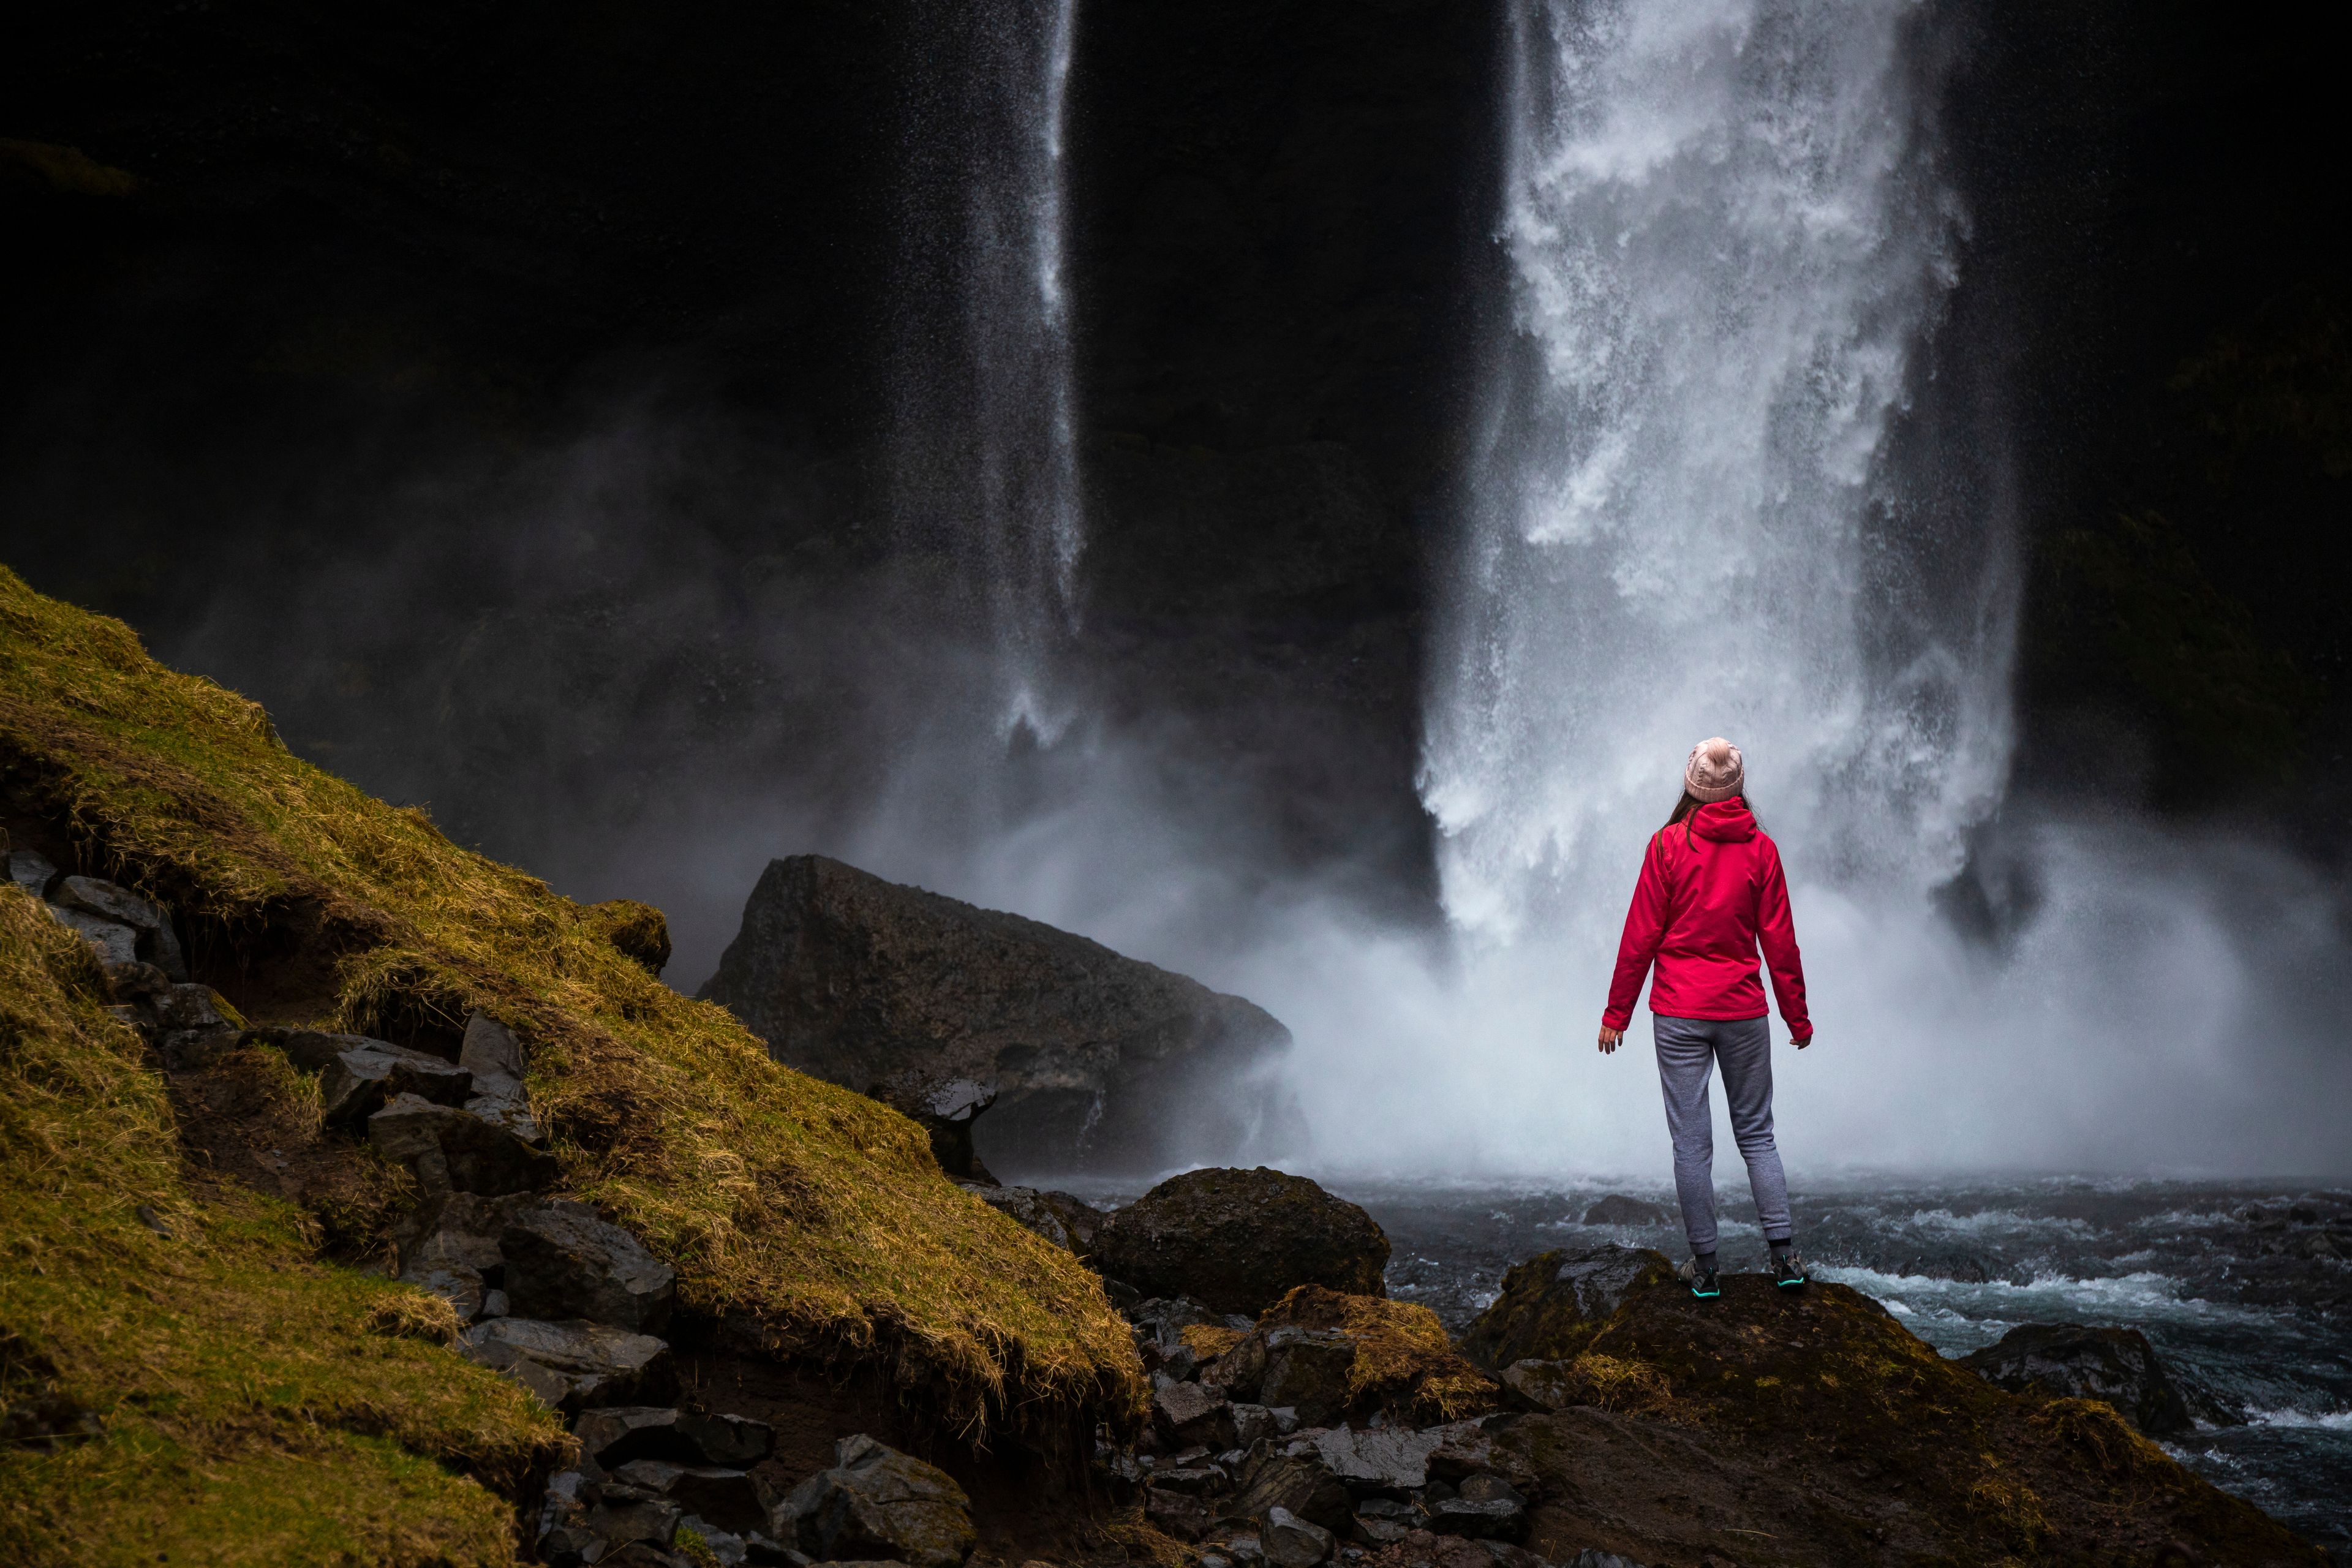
(2244, 1292)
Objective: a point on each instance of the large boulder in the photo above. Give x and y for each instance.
(877, 1504)
(2068, 1361)
(1099, 1062)
(1241, 1240)
(1552, 1304)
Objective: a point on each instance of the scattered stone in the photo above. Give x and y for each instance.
(1065, 1221)
(1306, 1371)
(1616, 1208)
(452, 1150)
(98, 898)
(945, 1107)
(1294, 1478)
(878, 1503)
(562, 1261)
(356, 1083)
(575, 1367)
(1554, 1303)
(1387, 1461)
(1252, 1424)
(735, 1501)
(1592, 1557)
(1290, 1541)
(312, 1049)
(113, 941)
(1101, 1062)
(1239, 1240)
(1541, 1385)
(617, 1435)
(1186, 1413)
(2068, 1361)
(32, 871)
(1485, 1508)
(492, 1054)
(1184, 1516)
(193, 1025)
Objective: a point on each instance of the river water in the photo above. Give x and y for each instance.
(2246, 1290)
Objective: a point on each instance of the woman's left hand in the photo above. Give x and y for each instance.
(1610, 1038)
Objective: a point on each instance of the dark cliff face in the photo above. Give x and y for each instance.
(501, 399)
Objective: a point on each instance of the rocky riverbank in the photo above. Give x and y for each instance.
(364, 1201)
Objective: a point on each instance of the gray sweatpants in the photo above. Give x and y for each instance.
(1688, 1049)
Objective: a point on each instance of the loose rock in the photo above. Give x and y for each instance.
(357, 1082)
(562, 1262)
(878, 1503)
(154, 941)
(455, 1150)
(1188, 1414)
(945, 1107)
(113, 941)
(575, 1367)
(1239, 1240)
(619, 1434)
(1065, 1221)
(32, 871)
(1307, 1370)
(1290, 1541)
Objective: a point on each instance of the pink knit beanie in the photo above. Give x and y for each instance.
(1715, 771)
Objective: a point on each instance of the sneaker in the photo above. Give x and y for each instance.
(1702, 1281)
(1789, 1271)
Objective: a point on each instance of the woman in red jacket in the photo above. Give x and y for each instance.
(1711, 892)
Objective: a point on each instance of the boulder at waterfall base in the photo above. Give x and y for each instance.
(1097, 1061)
(1239, 1240)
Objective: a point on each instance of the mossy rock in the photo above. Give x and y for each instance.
(1238, 1241)
(1813, 1429)
(1405, 1368)
(1554, 1303)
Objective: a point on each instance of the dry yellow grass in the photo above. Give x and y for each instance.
(810, 1214)
(1405, 1362)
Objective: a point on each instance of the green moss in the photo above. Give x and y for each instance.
(809, 1218)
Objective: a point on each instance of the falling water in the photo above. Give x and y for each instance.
(1727, 236)
(986, 465)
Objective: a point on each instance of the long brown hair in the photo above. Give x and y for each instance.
(1690, 802)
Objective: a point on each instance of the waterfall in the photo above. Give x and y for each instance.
(1727, 236)
(985, 462)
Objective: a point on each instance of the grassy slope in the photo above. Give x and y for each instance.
(254, 1410)
(809, 1215)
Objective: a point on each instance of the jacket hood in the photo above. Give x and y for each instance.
(1723, 822)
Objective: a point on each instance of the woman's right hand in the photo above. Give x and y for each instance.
(1610, 1038)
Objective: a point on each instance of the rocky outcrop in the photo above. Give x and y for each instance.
(1551, 1305)
(1239, 1240)
(1099, 1062)
(2068, 1361)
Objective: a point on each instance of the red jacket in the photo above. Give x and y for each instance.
(1711, 892)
